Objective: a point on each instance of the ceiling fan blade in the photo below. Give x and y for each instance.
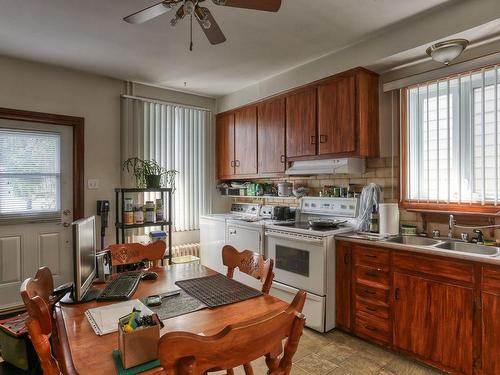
(213, 32)
(150, 12)
(266, 5)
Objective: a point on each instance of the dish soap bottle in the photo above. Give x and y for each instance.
(374, 222)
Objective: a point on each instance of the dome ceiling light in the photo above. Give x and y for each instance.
(447, 51)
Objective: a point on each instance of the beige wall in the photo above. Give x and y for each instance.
(44, 88)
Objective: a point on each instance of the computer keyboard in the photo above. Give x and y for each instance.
(121, 288)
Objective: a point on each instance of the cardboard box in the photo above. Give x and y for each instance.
(140, 345)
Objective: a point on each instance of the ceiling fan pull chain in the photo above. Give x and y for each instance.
(191, 33)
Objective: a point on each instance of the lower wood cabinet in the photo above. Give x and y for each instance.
(434, 320)
(436, 309)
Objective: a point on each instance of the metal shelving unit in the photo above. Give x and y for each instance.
(166, 196)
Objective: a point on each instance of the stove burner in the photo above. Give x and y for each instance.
(305, 225)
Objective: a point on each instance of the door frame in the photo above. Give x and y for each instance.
(77, 123)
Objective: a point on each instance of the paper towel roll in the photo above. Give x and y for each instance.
(389, 218)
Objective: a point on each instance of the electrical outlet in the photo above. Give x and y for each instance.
(92, 184)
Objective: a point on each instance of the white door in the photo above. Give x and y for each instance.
(36, 201)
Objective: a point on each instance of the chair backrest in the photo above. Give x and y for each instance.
(251, 263)
(185, 353)
(42, 285)
(39, 324)
(130, 253)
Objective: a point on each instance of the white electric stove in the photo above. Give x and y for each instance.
(304, 256)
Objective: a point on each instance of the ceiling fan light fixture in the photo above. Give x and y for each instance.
(447, 51)
(189, 7)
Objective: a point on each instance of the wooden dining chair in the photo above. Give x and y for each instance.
(130, 253)
(185, 353)
(251, 263)
(41, 285)
(38, 297)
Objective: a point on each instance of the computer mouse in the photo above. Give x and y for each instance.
(149, 276)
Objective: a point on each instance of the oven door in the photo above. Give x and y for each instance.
(299, 260)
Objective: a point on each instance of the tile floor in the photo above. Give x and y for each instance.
(336, 353)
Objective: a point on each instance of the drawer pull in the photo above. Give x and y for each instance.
(370, 291)
(371, 274)
(371, 308)
(370, 256)
(370, 328)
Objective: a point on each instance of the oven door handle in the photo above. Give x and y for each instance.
(299, 238)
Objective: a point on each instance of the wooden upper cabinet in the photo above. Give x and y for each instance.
(337, 116)
(225, 145)
(245, 141)
(271, 136)
(301, 136)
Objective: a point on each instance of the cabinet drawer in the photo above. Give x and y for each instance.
(372, 275)
(434, 266)
(371, 308)
(373, 327)
(490, 279)
(373, 294)
(369, 256)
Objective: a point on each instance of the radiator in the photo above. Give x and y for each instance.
(186, 249)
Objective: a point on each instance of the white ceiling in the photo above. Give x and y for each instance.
(90, 35)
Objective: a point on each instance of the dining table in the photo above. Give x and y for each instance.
(82, 351)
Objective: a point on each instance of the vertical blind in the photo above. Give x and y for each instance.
(179, 138)
(453, 139)
(30, 174)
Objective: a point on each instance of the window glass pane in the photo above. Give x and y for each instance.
(453, 137)
(29, 172)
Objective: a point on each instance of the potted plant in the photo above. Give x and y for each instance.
(149, 174)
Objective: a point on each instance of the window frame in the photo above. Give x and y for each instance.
(486, 208)
(77, 123)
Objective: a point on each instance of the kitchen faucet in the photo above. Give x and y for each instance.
(451, 226)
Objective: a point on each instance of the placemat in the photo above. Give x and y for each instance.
(133, 370)
(176, 305)
(217, 290)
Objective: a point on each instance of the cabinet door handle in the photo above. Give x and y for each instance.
(346, 258)
(232, 163)
(283, 159)
(396, 294)
(313, 139)
(322, 138)
(236, 163)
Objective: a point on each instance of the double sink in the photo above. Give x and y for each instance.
(449, 245)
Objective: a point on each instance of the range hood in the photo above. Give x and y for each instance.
(327, 166)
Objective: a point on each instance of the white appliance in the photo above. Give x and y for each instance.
(213, 233)
(304, 257)
(327, 166)
(247, 233)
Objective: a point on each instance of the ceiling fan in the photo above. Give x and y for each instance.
(203, 16)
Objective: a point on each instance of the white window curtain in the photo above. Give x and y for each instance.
(177, 137)
(453, 128)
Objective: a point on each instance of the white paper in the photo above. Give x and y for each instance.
(104, 319)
